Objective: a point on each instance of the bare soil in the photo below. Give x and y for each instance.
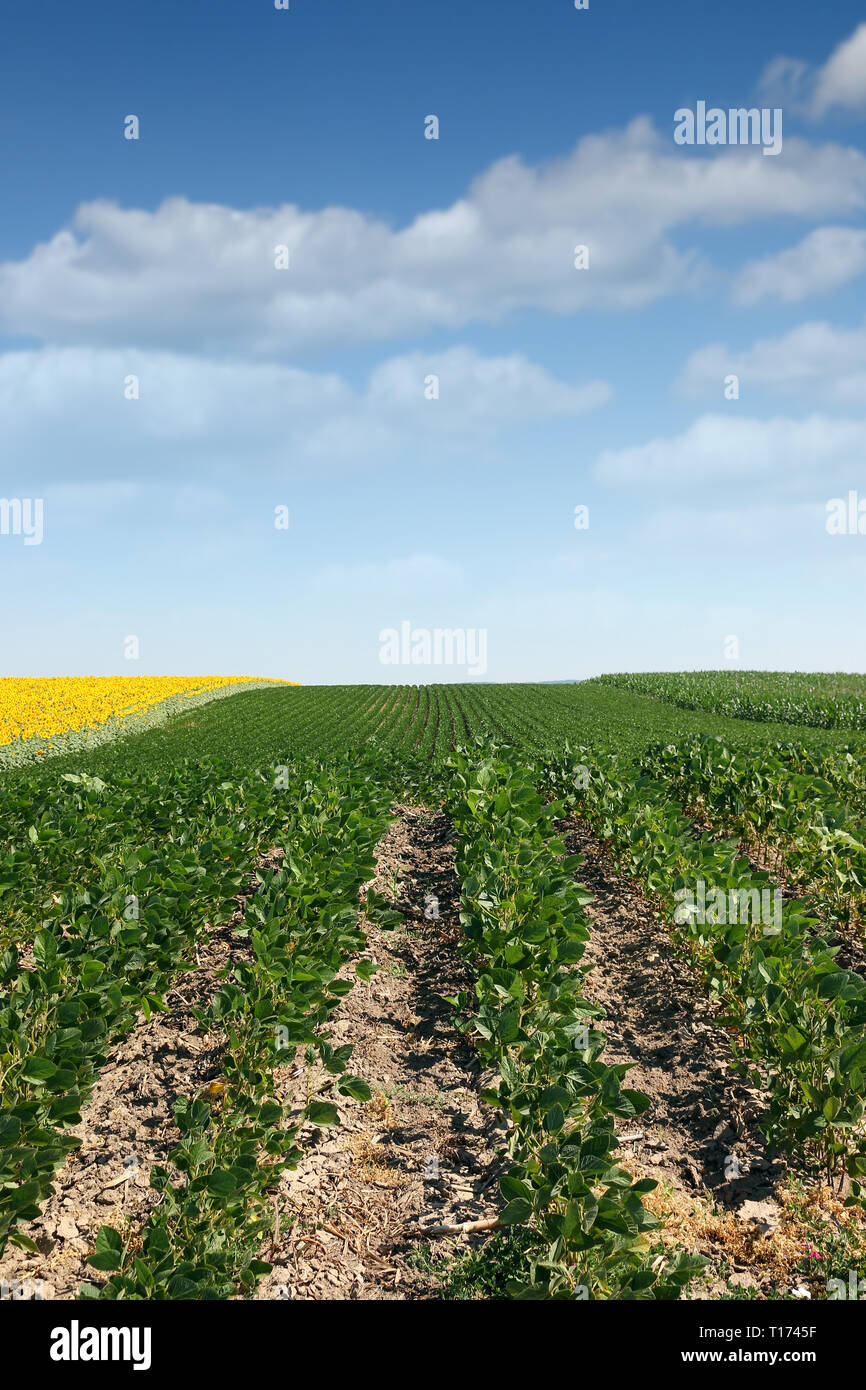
(725, 1194)
(659, 1020)
(127, 1125)
(423, 1152)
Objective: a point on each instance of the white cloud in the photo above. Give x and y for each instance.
(840, 83)
(828, 362)
(825, 259)
(842, 79)
(201, 277)
(63, 411)
(509, 390)
(785, 454)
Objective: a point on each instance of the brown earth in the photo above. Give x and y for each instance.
(724, 1193)
(127, 1125)
(425, 1153)
(658, 1019)
(422, 1153)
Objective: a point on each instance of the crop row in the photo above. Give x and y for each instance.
(821, 701)
(421, 723)
(797, 1020)
(524, 931)
(104, 890)
(814, 817)
(203, 1239)
(41, 716)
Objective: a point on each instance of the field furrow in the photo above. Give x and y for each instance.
(593, 991)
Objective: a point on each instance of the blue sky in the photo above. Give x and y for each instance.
(305, 387)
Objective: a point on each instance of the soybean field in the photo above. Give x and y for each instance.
(450, 991)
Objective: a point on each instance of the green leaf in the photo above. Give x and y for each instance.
(554, 1119)
(10, 1131)
(322, 1113)
(516, 1212)
(108, 1251)
(513, 1189)
(44, 948)
(356, 1088)
(221, 1183)
(38, 1070)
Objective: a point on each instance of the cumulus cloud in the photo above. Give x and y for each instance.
(64, 410)
(202, 277)
(822, 261)
(840, 83)
(842, 79)
(505, 389)
(790, 456)
(828, 362)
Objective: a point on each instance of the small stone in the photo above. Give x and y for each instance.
(67, 1228)
(765, 1214)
